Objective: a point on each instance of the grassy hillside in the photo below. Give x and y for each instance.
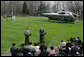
(13, 31)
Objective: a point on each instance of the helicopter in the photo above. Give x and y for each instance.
(63, 16)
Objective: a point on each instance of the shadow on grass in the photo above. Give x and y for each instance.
(54, 21)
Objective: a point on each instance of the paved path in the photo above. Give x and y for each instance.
(78, 21)
(8, 54)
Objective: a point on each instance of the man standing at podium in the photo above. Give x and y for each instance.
(27, 34)
(42, 33)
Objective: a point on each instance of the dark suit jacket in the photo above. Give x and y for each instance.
(13, 51)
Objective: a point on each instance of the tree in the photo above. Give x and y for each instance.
(4, 7)
(42, 7)
(76, 7)
(25, 9)
(33, 7)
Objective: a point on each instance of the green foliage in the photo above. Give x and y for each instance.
(14, 31)
(25, 9)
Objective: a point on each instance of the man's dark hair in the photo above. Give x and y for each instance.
(67, 39)
(13, 44)
(78, 37)
(52, 48)
(74, 38)
(22, 44)
(71, 39)
(61, 40)
(35, 44)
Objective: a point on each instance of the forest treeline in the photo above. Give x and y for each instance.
(35, 8)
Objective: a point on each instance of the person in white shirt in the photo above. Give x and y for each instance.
(36, 47)
(63, 45)
(31, 47)
(37, 51)
(13, 18)
(52, 51)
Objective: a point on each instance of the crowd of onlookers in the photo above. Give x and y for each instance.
(73, 47)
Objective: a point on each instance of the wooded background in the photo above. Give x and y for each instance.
(35, 8)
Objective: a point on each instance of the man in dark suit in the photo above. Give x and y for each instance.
(79, 41)
(42, 46)
(44, 51)
(74, 49)
(14, 50)
(42, 33)
(68, 45)
(23, 49)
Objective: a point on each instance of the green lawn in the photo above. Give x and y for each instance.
(14, 31)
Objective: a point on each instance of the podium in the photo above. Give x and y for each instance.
(27, 39)
(42, 39)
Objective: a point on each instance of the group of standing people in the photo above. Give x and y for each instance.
(5, 17)
(27, 34)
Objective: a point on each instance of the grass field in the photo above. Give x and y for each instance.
(14, 31)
